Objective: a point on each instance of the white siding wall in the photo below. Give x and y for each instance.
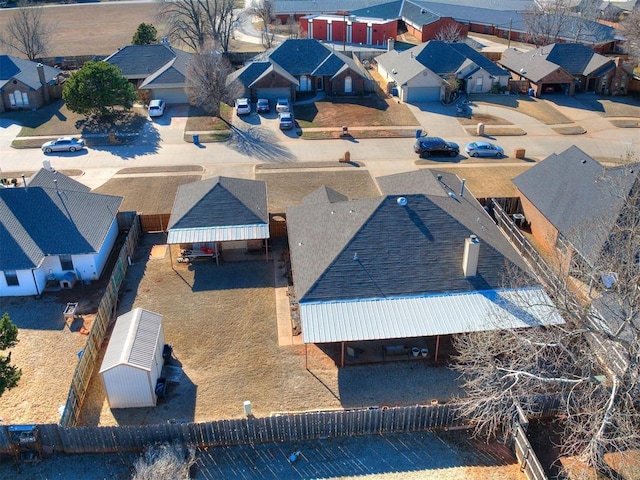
(101, 258)
(26, 285)
(129, 387)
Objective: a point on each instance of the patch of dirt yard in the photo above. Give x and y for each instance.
(221, 320)
(540, 110)
(361, 112)
(489, 181)
(90, 29)
(148, 195)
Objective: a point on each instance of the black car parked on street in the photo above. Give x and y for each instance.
(427, 146)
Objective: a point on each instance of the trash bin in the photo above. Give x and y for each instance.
(196, 139)
(480, 129)
(519, 153)
(347, 156)
(418, 133)
(345, 131)
(531, 92)
(518, 219)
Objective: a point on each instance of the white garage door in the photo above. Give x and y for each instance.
(171, 95)
(273, 93)
(423, 94)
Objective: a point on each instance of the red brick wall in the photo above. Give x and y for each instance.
(430, 31)
(383, 32)
(359, 32)
(541, 228)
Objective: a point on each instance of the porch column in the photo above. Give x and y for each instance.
(437, 347)
(342, 354)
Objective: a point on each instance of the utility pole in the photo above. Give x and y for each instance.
(509, 35)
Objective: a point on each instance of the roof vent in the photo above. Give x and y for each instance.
(583, 161)
(452, 195)
(402, 201)
(439, 177)
(356, 257)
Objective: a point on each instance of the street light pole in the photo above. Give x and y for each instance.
(344, 39)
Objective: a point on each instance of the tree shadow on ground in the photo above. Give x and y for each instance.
(133, 144)
(258, 142)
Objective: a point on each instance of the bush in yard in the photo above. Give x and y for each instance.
(9, 374)
(165, 462)
(97, 88)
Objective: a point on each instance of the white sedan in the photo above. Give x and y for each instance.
(484, 149)
(63, 144)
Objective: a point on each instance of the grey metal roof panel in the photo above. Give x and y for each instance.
(38, 221)
(387, 10)
(49, 178)
(418, 15)
(574, 192)
(426, 315)
(219, 202)
(134, 340)
(377, 248)
(24, 71)
(324, 6)
(218, 234)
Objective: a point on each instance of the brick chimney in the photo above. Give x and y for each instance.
(43, 82)
(471, 255)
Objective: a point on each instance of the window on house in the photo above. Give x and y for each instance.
(19, 99)
(66, 263)
(11, 277)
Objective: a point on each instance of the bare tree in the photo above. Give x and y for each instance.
(551, 20)
(28, 32)
(207, 81)
(450, 33)
(591, 364)
(198, 22)
(629, 28)
(263, 9)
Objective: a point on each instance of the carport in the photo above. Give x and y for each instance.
(220, 213)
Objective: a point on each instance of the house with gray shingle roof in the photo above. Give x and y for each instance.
(564, 68)
(420, 73)
(220, 213)
(160, 69)
(571, 201)
(302, 65)
(53, 232)
(423, 260)
(27, 85)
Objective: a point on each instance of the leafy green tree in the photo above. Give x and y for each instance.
(145, 35)
(9, 374)
(97, 88)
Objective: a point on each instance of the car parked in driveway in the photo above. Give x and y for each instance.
(484, 149)
(286, 120)
(63, 144)
(427, 146)
(282, 105)
(156, 108)
(243, 107)
(262, 106)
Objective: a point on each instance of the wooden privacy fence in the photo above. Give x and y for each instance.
(245, 431)
(154, 222)
(106, 310)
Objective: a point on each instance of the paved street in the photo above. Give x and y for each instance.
(259, 141)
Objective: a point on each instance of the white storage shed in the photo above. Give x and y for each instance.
(133, 361)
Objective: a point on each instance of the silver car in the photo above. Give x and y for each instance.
(63, 144)
(484, 149)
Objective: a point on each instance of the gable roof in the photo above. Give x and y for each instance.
(134, 340)
(576, 193)
(439, 57)
(158, 64)
(573, 58)
(24, 71)
(219, 209)
(51, 178)
(376, 268)
(38, 221)
(294, 58)
(324, 194)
